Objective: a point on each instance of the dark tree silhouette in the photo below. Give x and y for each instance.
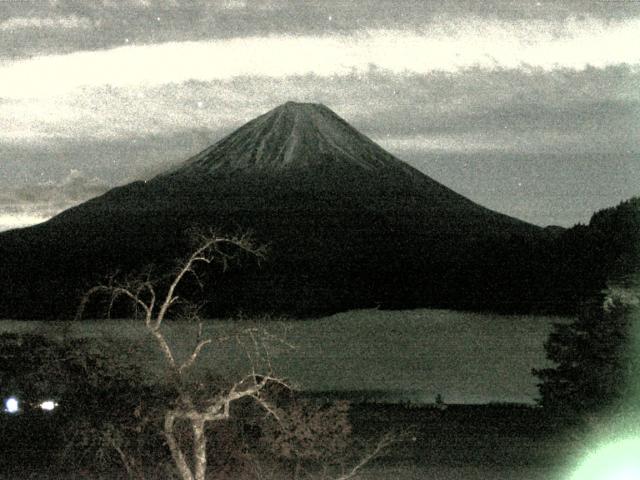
(593, 357)
(85, 430)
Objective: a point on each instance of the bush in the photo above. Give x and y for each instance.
(105, 416)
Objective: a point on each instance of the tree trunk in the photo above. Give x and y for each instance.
(199, 448)
(176, 452)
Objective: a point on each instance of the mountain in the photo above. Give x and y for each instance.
(347, 224)
(293, 136)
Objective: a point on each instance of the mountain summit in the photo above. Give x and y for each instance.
(348, 226)
(293, 136)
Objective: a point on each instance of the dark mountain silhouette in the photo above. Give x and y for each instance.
(348, 225)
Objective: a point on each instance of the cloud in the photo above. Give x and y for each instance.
(74, 187)
(25, 205)
(234, 4)
(160, 21)
(475, 109)
(113, 161)
(20, 220)
(71, 22)
(490, 45)
(566, 120)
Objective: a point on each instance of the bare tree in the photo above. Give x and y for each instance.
(155, 297)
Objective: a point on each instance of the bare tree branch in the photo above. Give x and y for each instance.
(383, 443)
(194, 355)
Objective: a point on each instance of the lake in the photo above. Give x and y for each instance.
(408, 356)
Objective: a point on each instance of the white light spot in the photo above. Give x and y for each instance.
(48, 405)
(200, 104)
(11, 405)
(126, 40)
(617, 461)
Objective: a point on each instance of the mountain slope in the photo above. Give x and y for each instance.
(348, 225)
(294, 135)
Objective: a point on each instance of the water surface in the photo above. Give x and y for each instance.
(408, 355)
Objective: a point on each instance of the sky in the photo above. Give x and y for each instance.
(528, 108)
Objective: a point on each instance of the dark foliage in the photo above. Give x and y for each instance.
(106, 411)
(584, 259)
(594, 358)
(593, 354)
